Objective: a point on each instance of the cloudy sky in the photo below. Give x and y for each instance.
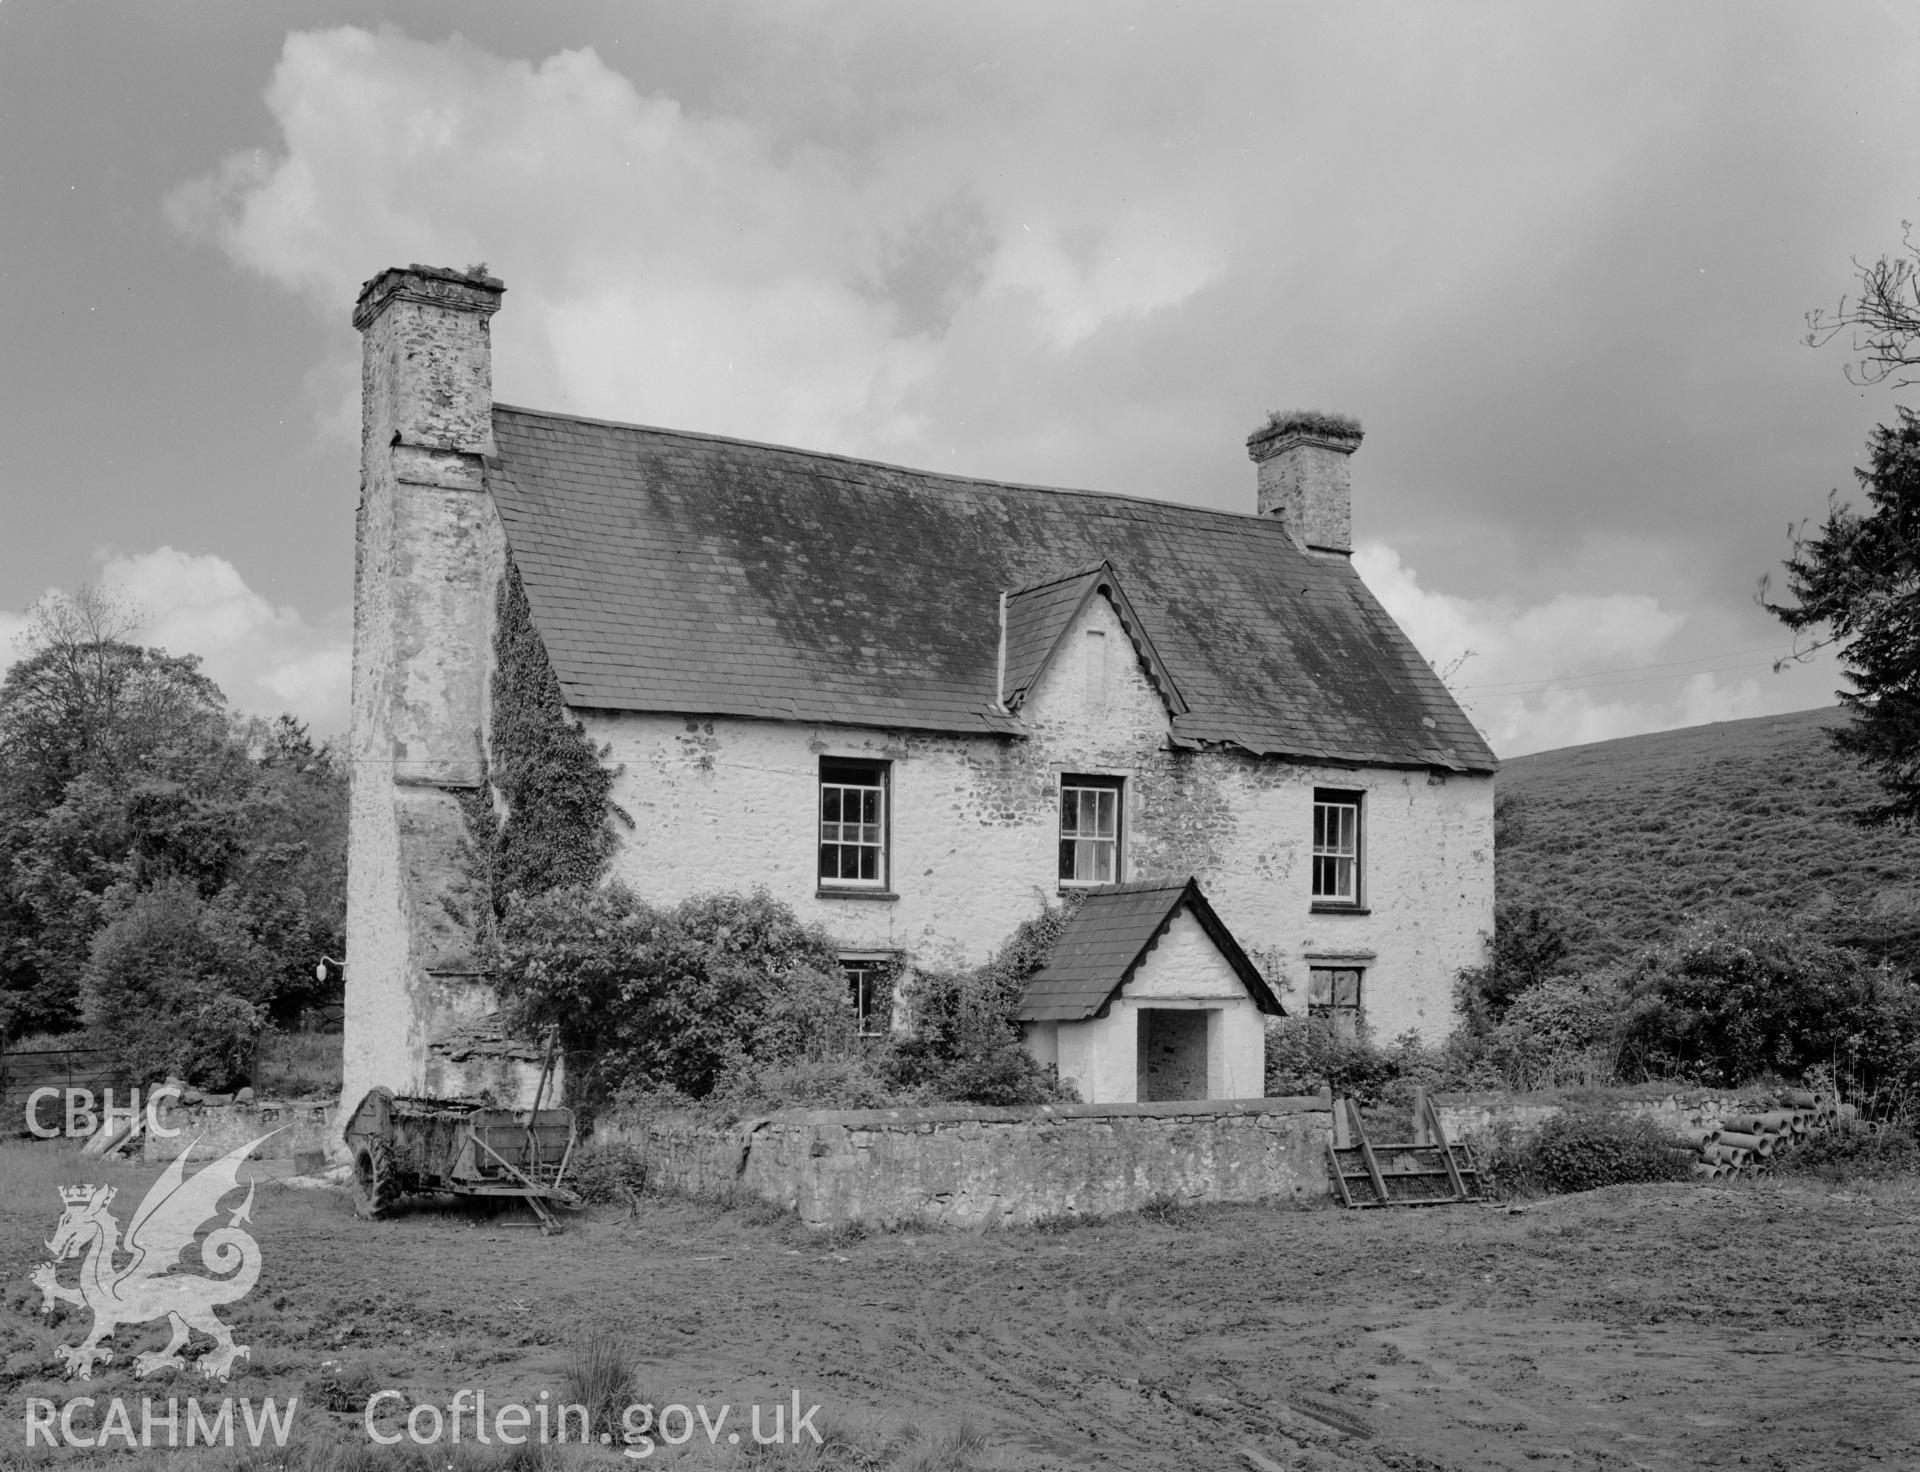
(1556, 259)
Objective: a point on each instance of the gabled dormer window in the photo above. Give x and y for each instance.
(1036, 623)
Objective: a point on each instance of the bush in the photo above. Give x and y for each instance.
(963, 1048)
(1854, 1151)
(730, 1000)
(1529, 943)
(176, 985)
(857, 1081)
(671, 1000)
(1580, 1151)
(1304, 1056)
(962, 1042)
(1735, 999)
(613, 1173)
(1562, 1031)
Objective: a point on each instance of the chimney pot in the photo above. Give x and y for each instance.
(1304, 478)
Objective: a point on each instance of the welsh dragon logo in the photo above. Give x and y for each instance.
(146, 1287)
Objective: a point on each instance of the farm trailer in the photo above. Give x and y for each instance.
(402, 1146)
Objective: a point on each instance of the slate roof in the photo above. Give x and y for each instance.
(698, 575)
(1107, 938)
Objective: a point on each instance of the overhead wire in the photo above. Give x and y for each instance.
(1678, 669)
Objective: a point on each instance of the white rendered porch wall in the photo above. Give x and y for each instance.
(1186, 970)
(1100, 1057)
(730, 803)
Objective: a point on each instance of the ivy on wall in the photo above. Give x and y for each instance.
(552, 824)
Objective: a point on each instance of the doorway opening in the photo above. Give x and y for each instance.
(1173, 1054)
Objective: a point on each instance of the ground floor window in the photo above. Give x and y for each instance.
(1333, 992)
(870, 992)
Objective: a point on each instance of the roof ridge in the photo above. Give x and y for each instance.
(1066, 577)
(644, 552)
(1031, 487)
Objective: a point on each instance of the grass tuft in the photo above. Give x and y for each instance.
(1314, 421)
(600, 1377)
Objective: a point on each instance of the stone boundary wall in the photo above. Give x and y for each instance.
(1465, 1115)
(300, 1127)
(966, 1166)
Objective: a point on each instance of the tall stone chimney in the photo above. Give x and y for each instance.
(429, 553)
(426, 422)
(1304, 477)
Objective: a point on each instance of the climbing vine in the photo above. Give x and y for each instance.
(552, 825)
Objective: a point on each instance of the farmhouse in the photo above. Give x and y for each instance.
(915, 707)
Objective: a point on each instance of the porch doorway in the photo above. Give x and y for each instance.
(1172, 1054)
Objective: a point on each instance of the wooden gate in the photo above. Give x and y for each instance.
(50, 1068)
(1427, 1170)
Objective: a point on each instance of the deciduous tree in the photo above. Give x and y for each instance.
(123, 772)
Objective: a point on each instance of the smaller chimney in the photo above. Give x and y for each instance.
(1304, 479)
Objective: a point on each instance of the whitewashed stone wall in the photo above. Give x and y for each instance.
(726, 803)
(429, 556)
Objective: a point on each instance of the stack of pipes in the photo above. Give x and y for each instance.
(1742, 1143)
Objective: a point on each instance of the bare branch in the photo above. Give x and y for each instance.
(1884, 317)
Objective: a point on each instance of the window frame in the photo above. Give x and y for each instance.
(834, 773)
(1354, 801)
(1091, 782)
(855, 965)
(1332, 1010)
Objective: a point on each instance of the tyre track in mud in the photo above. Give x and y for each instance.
(1662, 1328)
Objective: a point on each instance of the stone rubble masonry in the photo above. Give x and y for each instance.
(974, 1166)
(1305, 480)
(430, 552)
(975, 833)
(1465, 1116)
(296, 1127)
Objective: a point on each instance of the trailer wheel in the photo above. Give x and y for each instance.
(376, 1185)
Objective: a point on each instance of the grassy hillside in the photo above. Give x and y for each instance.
(1633, 836)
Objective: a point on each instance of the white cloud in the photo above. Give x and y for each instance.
(1043, 245)
(869, 262)
(1582, 667)
(662, 266)
(265, 657)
